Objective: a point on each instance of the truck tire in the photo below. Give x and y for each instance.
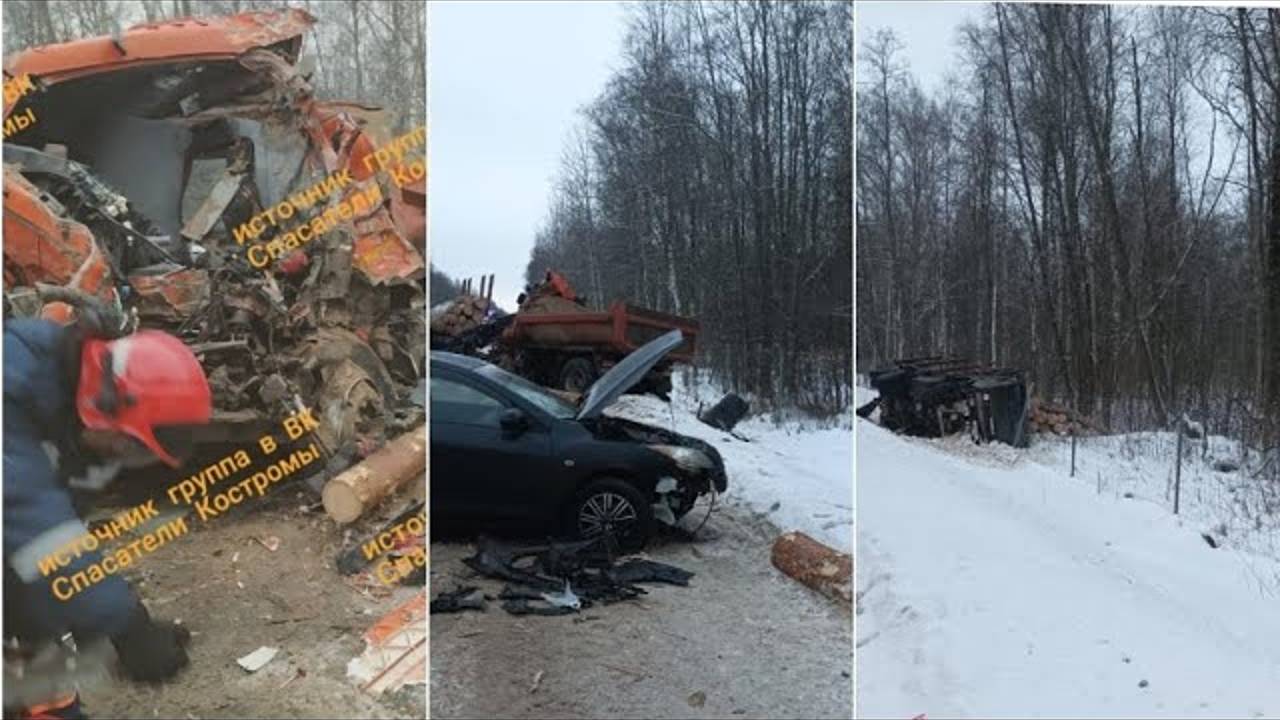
(614, 508)
(577, 374)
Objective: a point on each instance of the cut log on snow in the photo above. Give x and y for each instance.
(363, 485)
(815, 565)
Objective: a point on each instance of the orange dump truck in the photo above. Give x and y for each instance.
(556, 340)
(138, 169)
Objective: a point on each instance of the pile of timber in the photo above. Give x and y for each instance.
(465, 313)
(1057, 420)
(544, 298)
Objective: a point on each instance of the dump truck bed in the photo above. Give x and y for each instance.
(620, 329)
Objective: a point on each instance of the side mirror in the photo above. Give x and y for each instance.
(513, 420)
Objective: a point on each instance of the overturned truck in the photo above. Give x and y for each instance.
(936, 396)
(142, 175)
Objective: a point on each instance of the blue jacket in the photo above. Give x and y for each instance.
(39, 408)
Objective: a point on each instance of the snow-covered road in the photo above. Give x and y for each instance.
(994, 586)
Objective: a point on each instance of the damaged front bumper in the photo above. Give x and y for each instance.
(694, 467)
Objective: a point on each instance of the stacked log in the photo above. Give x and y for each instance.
(465, 313)
(1057, 420)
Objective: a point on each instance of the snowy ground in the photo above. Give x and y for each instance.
(797, 473)
(992, 584)
(1229, 506)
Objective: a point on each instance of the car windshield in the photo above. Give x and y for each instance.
(545, 400)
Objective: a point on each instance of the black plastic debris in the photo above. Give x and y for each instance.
(561, 578)
(499, 561)
(726, 413)
(636, 571)
(353, 559)
(457, 600)
(864, 411)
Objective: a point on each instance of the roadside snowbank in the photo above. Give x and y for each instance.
(1231, 506)
(991, 584)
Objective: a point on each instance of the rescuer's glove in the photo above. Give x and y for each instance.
(151, 651)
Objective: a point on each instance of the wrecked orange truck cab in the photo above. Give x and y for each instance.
(185, 174)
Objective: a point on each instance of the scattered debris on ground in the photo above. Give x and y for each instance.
(463, 597)
(556, 578)
(256, 660)
(236, 595)
(743, 641)
(395, 652)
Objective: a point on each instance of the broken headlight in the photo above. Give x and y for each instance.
(687, 459)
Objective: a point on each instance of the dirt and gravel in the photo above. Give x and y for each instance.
(742, 640)
(236, 595)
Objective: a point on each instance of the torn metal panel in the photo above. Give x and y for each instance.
(232, 426)
(170, 295)
(279, 158)
(213, 207)
(350, 408)
(395, 652)
(42, 246)
(408, 207)
(385, 256)
(174, 40)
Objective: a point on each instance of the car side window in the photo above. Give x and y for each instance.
(456, 402)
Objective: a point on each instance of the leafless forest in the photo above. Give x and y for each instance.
(1094, 198)
(367, 51)
(713, 178)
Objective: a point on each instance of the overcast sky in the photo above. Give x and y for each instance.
(929, 35)
(506, 81)
(928, 32)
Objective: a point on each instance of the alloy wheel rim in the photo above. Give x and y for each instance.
(607, 513)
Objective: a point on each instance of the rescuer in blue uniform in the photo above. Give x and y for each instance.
(74, 400)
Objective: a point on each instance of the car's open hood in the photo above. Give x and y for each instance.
(626, 374)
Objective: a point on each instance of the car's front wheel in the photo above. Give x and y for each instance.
(613, 509)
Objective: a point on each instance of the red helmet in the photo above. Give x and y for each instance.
(139, 382)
